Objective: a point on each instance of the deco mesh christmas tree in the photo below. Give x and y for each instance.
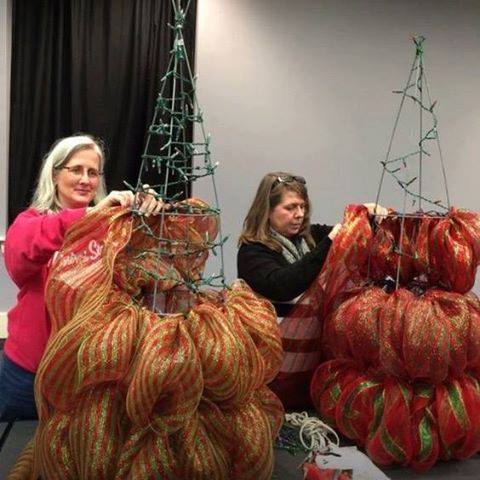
(173, 386)
(401, 329)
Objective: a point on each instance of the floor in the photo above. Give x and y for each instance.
(286, 465)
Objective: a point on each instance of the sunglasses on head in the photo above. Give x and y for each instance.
(288, 179)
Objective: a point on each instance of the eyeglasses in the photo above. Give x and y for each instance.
(288, 179)
(77, 171)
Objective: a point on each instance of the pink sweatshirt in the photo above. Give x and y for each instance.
(30, 243)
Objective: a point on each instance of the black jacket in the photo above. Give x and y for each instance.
(271, 275)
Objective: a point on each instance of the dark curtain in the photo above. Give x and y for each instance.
(91, 66)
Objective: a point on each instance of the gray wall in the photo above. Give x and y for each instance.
(306, 86)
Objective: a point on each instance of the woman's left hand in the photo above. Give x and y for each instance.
(148, 202)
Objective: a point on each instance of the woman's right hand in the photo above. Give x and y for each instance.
(334, 232)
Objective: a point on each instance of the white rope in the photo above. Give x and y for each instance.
(314, 434)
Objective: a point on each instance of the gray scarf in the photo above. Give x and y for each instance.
(291, 251)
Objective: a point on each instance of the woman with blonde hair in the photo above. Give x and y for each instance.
(70, 183)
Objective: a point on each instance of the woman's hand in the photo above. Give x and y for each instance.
(148, 203)
(334, 232)
(376, 210)
(124, 198)
(145, 202)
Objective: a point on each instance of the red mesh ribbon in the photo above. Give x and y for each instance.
(391, 440)
(387, 243)
(426, 341)
(328, 383)
(352, 328)
(400, 379)
(421, 259)
(442, 251)
(428, 337)
(473, 342)
(438, 329)
(391, 332)
(469, 224)
(301, 330)
(425, 439)
(452, 256)
(348, 255)
(457, 411)
(398, 422)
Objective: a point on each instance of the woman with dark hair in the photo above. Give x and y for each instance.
(280, 255)
(280, 252)
(70, 183)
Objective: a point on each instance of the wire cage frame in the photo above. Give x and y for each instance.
(186, 230)
(417, 91)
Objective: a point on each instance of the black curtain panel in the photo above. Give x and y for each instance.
(91, 66)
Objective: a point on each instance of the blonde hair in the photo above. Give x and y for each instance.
(45, 197)
(256, 226)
